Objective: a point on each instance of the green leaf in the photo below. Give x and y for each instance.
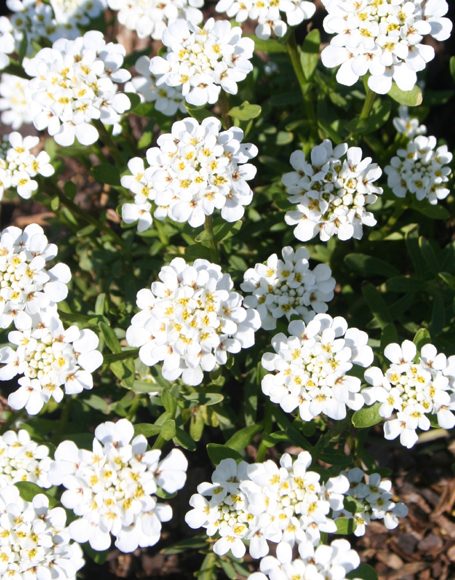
(168, 430)
(448, 279)
(97, 557)
(269, 46)
(196, 251)
(377, 305)
(435, 212)
(245, 112)
(345, 526)
(363, 572)
(146, 429)
(309, 55)
(169, 402)
(242, 438)
(407, 284)
(135, 100)
(194, 543)
(124, 370)
(197, 424)
(110, 338)
(369, 265)
(28, 490)
(106, 173)
(145, 140)
(429, 256)
(378, 118)
(421, 337)
(412, 98)
(198, 113)
(184, 440)
(217, 453)
(438, 315)
(452, 67)
(367, 417)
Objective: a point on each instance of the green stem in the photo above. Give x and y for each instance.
(83, 215)
(64, 418)
(294, 57)
(223, 104)
(400, 208)
(267, 428)
(208, 226)
(106, 137)
(159, 442)
(370, 98)
(125, 354)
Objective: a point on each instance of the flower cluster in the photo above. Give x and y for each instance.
(309, 369)
(412, 388)
(18, 165)
(421, 169)
(194, 170)
(49, 357)
(75, 83)
(268, 14)
(406, 125)
(21, 459)
(34, 540)
(382, 39)
(112, 489)
(167, 100)
(202, 61)
(32, 21)
(190, 320)
(288, 287)
(373, 500)
(331, 191)
(27, 287)
(263, 502)
(152, 17)
(333, 561)
(18, 109)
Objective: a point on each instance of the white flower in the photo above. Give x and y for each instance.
(406, 125)
(77, 12)
(194, 170)
(18, 165)
(190, 320)
(33, 22)
(34, 540)
(167, 100)
(203, 60)
(112, 489)
(383, 39)
(7, 44)
(310, 368)
(49, 357)
(268, 14)
(21, 459)
(421, 169)
(326, 562)
(76, 82)
(152, 17)
(413, 387)
(27, 287)
(17, 107)
(331, 190)
(375, 496)
(254, 504)
(288, 287)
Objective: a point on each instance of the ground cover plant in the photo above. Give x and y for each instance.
(227, 287)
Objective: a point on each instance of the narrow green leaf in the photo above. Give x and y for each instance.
(169, 402)
(448, 279)
(367, 417)
(452, 67)
(217, 453)
(309, 55)
(369, 265)
(168, 430)
(412, 98)
(438, 315)
(106, 173)
(421, 337)
(242, 438)
(345, 526)
(28, 490)
(377, 305)
(269, 46)
(245, 112)
(363, 572)
(110, 338)
(146, 429)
